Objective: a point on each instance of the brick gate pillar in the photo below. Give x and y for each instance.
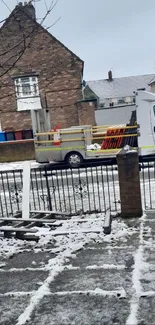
(129, 183)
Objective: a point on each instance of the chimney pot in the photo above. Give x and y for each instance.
(28, 8)
(110, 76)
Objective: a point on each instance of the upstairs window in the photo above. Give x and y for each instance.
(121, 101)
(101, 105)
(26, 87)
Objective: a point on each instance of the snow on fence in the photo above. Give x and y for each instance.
(77, 191)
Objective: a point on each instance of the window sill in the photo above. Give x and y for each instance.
(26, 97)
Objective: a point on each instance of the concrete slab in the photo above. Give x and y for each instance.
(28, 260)
(149, 237)
(81, 310)
(11, 308)
(148, 281)
(102, 257)
(147, 311)
(119, 242)
(149, 256)
(82, 279)
(65, 307)
(150, 214)
(132, 222)
(150, 224)
(21, 281)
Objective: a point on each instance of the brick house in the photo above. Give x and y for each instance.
(37, 70)
(116, 97)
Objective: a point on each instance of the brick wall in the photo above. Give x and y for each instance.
(17, 151)
(129, 183)
(86, 111)
(59, 71)
(14, 121)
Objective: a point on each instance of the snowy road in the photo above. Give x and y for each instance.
(80, 279)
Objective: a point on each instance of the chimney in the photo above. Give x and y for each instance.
(110, 76)
(28, 8)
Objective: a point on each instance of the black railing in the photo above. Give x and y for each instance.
(84, 190)
(147, 176)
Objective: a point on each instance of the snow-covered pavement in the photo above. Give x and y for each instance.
(80, 276)
(16, 165)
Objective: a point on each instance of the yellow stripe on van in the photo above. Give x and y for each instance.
(57, 149)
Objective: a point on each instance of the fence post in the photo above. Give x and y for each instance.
(129, 182)
(26, 190)
(48, 189)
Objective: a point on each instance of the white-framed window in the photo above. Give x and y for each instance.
(121, 100)
(26, 86)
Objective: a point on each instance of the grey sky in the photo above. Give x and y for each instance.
(106, 34)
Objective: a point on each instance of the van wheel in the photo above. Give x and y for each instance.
(74, 159)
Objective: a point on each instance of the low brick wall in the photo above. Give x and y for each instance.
(17, 151)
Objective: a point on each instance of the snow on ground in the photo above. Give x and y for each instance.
(77, 235)
(119, 257)
(11, 246)
(72, 231)
(17, 165)
(136, 276)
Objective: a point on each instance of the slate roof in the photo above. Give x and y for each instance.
(152, 81)
(120, 87)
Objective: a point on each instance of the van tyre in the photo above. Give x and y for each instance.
(74, 159)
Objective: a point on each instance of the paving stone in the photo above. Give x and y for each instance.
(21, 281)
(150, 214)
(147, 311)
(101, 257)
(119, 242)
(81, 310)
(148, 280)
(82, 279)
(28, 260)
(150, 224)
(149, 256)
(149, 238)
(133, 222)
(11, 308)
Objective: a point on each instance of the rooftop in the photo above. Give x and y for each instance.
(120, 87)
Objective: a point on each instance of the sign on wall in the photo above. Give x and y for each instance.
(28, 104)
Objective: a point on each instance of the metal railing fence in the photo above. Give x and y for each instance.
(76, 191)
